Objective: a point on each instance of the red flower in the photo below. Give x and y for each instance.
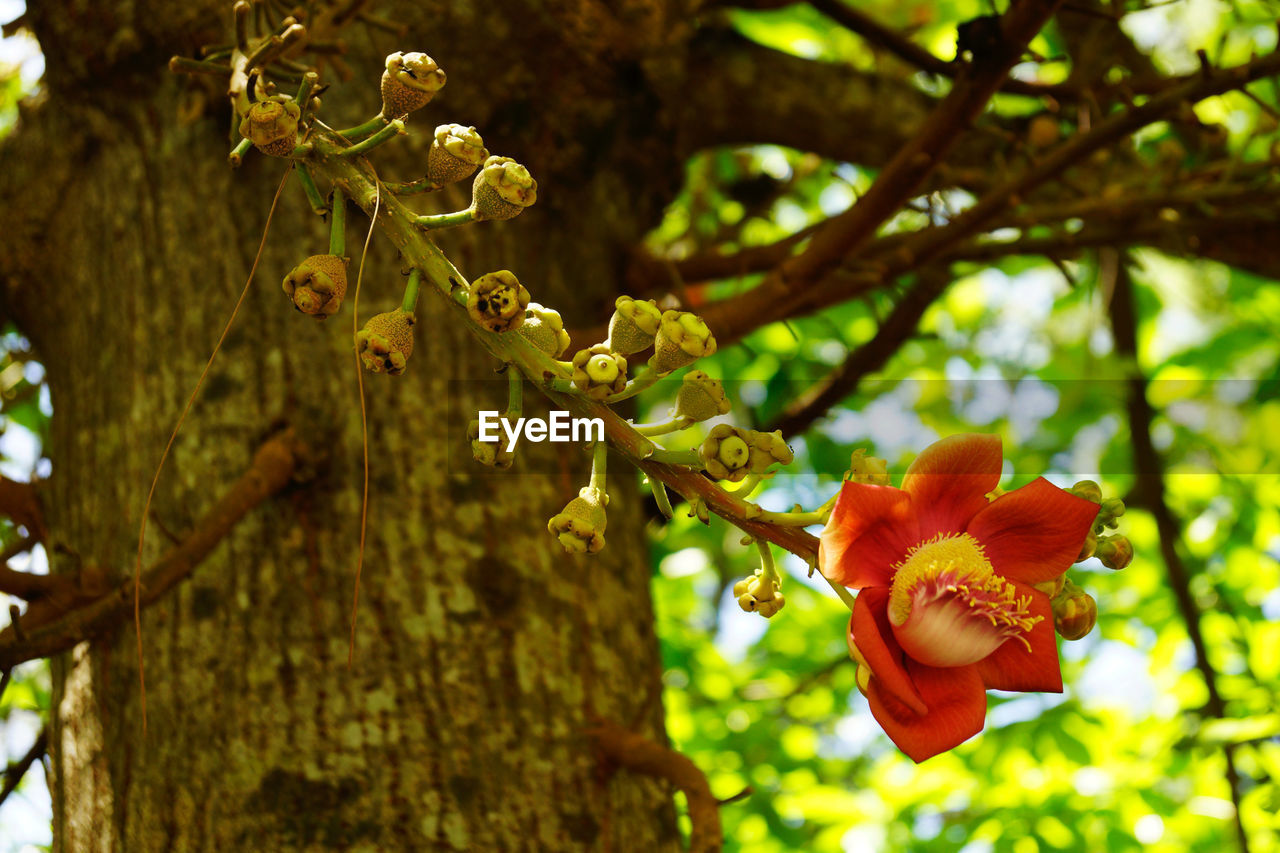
(947, 608)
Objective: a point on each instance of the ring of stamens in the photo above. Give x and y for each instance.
(948, 607)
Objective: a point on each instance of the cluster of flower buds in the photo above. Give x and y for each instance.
(732, 453)
(760, 594)
(579, 527)
(1115, 550)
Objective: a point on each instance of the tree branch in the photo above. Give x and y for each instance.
(20, 502)
(871, 356)
(14, 772)
(272, 468)
(637, 753)
(904, 175)
(1150, 493)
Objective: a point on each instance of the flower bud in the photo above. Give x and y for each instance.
(1074, 612)
(758, 594)
(1115, 552)
(579, 527)
(498, 301)
(766, 449)
(633, 325)
(409, 82)
(682, 339)
(455, 153)
(317, 285)
(726, 453)
(543, 328)
(700, 397)
(1087, 489)
(1112, 508)
(272, 126)
(867, 469)
(386, 342)
(1087, 549)
(598, 372)
(493, 452)
(502, 190)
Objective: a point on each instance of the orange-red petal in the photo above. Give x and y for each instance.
(949, 481)
(957, 704)
(1012, 667)
(1033, 534)
(871, 528)
(869, 629)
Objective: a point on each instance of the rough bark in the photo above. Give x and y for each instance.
(483, 652)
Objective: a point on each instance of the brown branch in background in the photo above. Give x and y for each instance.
(20, 502)
(900, 180)
(14, 772)
(635, 752)
(901, 324)
(1149, 492)
(272, 468)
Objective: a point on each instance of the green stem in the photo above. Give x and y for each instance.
(410, 301)
(338, 225)
(515, 393)
(844, 594)
(599, 456)
(314, 198)
(660, 495)
(673, 425)
(388, 133)
(236, 157)
(635, 386)
(183, 65)
(433, 222)
(748, 485)
(422, 185)
(677, 457)
(768, 569)
(362, 130)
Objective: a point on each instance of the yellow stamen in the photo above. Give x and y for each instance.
(955, 566)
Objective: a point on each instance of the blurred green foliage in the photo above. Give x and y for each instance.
(1125, 758)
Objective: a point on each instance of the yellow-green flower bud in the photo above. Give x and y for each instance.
(386, 342)
(543, 328)
(598, 372)
(1115, 552)
(272, 126)
(498, 301)
(408, 83)
(317, 285)
(455, 153)
(1074, 612)
(682, 339)
(502, 190)
(700, 397)
(1087, 549)
(579, 527)
(493, 453)
(766, 449)
(867, 469)
(726, 452)
(1087, 489)
(633, 325)
(759, 595)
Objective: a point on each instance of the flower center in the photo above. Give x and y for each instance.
(948, 607)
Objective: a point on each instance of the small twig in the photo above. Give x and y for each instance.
(638, 754)
(14, 772)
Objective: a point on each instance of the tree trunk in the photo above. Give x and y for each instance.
(483, 653)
